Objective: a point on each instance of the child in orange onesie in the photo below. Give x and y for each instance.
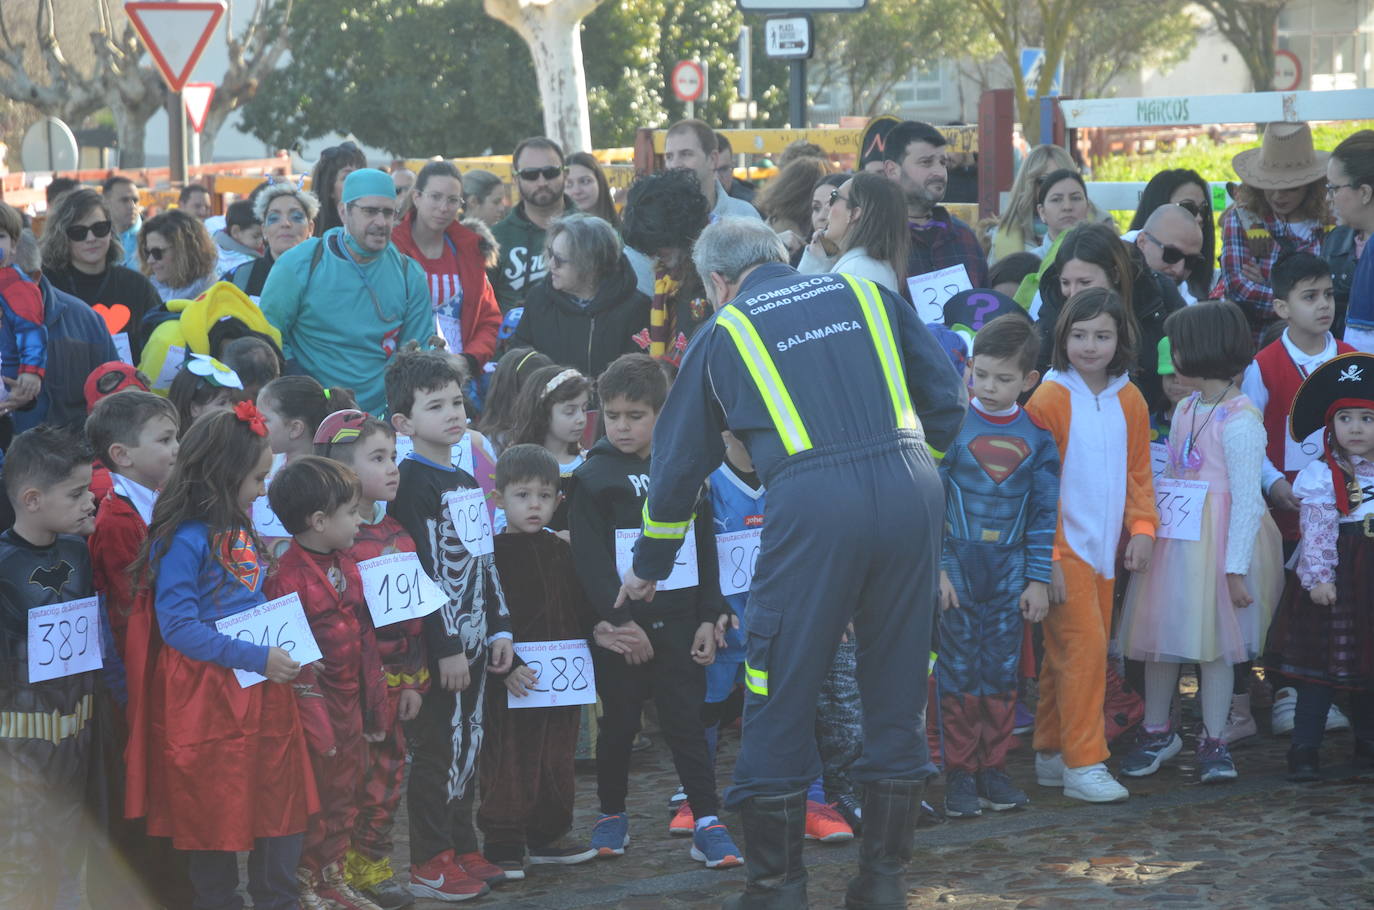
(1088, 402)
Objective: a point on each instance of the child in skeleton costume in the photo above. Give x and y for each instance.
(425, 399)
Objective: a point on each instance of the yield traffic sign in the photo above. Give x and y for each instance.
(197, 96)
(175, 33)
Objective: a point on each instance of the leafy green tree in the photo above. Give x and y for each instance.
(1126, 35)
(867, 53)
(1250, 25)
(414, 79)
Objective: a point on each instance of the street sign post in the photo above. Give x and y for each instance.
(197, 96)
(792, 38)
(688, 81)
(176, 35)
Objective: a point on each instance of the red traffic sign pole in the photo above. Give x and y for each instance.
(176, 35)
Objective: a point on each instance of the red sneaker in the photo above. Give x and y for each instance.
(441, 879)
(825, 824)
(684, 823)
(477, 866)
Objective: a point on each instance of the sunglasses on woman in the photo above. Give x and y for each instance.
(1191, 207)
(156, 253)
(835, 195)
(77, 232)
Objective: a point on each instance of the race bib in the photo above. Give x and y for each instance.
(930, 291)
(452, 330)
(279, 623)
(684, 574)
(64, 639)
(1159, 459)
(565, 674)
(739, 556)
(468, 510)
(1298, 455)
(171, 366)
(1180, 507)
(397, 589)
(126, 351)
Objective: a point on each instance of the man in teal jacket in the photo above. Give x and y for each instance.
(346, 301)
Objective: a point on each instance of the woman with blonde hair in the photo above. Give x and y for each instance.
(178, 255)
(1018, 230)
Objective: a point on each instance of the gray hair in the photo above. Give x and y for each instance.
(26, 254)
(480, 183)
(731, 246)
(308, 200)
(593, 245)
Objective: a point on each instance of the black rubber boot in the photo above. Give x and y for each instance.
(774, 830)
(891, 808)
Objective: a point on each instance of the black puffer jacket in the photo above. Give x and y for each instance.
(586, 337)
(1153, 298)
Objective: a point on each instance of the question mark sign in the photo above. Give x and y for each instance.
(982, 304)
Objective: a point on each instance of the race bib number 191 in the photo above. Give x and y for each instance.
(397, 588)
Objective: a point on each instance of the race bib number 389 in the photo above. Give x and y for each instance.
(64, 639)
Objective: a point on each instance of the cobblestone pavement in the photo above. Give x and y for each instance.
(1255, 842)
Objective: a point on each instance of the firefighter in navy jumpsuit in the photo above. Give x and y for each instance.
(839, 393)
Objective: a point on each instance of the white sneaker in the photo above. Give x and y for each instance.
(1093, 784)
(1336, 720)
(1281, 716)
(1049, 769)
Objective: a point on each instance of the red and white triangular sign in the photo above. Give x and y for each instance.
(197, 97)
(175, 33)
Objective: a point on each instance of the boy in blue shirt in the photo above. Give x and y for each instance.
(1001, 480)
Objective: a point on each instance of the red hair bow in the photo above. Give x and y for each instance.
(249, 414)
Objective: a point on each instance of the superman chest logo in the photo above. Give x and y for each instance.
(241, 559)
(999, 456)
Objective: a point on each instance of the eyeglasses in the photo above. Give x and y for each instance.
(1334, 188)
(557, 261)
(372, 211)
(532, 174)
(1191, 207)
(1171, 254)
(295, 216)
(835, 194)
(156, 253)
(77, 232)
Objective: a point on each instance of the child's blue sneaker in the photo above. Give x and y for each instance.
(1151, 751)
(611, 835)
(1214, 761)
(712, 845)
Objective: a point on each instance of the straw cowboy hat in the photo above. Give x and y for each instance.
(1285, 160)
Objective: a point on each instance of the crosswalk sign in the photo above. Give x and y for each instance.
(1032, 61)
